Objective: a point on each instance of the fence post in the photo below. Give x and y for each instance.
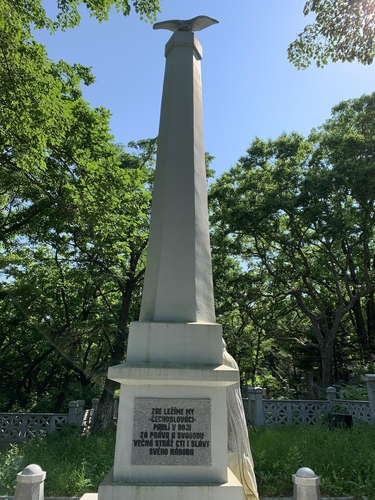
(306, 485)
(52, 424)
(255, 402)
(72, 416)
(24, 427)
(94, 407)
(370, 385)
(30, 483)
(80, 411)
(115, 408)
(250, 404)
(331, 395)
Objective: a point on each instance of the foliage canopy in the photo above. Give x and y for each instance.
(343, 30)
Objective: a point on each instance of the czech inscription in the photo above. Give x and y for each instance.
(171, 431)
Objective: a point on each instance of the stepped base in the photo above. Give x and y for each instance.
(111, 490)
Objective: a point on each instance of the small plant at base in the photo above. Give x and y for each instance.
(11, 462)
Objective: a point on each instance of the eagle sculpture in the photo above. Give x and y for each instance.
(196, 24)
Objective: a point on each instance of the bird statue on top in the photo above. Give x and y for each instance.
(196, 24)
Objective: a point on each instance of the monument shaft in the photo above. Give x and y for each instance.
(178, 280)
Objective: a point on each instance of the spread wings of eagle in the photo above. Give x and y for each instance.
(196, 24)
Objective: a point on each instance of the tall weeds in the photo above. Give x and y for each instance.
(75, 464)
(344, 459)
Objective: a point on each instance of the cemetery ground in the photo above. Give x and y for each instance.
(76, 464)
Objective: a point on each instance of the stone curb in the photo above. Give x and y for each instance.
(323, 498)
(8, 497)
(5, 497)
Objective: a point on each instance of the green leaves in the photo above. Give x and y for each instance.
(343, 31)
(298, 216)
(74, 212)
(68, 16)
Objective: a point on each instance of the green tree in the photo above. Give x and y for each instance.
(73, 209)
(343, 30)
(298, 214)
(67, 11)
(346, 143)
(74, 274)
(47, 130)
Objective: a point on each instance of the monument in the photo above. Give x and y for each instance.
(172, 424)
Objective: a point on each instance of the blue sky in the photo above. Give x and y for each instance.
(249, 87)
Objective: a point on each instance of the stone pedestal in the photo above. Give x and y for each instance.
(172, 424)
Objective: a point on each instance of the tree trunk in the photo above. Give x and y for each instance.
(104, 415)
(326, 354)
(361, 330)
(370, 310)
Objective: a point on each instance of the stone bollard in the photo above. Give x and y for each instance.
(306, 485)
(30, 483)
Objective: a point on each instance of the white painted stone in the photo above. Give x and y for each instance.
(111, 490)
(306, 485)
(175, 342)
(170, 374)
(30, 483)
(178, 281)
(89, 496)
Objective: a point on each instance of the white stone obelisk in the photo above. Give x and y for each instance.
(178, 281)
(172, 425)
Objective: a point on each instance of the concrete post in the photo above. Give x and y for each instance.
(370, 385)
(80, 411)
(115, 408)
(306, 485)
(256, 412)
(94, 409)
(94, 405)
(251, 404)
(331, 395)
(72, 418)
(30, 483)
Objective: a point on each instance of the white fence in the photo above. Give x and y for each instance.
(261, 411)
(15, 427)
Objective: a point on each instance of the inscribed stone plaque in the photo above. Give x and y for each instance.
(171, 431)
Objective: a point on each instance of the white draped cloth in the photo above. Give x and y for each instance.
(240, 460)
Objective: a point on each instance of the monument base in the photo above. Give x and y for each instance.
(113, 490)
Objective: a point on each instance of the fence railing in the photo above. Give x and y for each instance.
(261, 411)
(15, 427)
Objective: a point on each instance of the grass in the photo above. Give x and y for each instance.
(344, 459)
(75, 464)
